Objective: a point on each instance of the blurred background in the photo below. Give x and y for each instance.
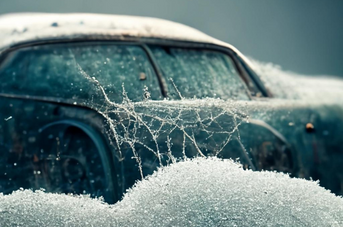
(304, 36)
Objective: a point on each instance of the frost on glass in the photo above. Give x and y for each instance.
(54, 71)
(200, 73)
(198, 192)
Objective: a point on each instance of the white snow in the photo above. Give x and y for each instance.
(198, 192)
(26, 27)
(39, 26)
(289, 85)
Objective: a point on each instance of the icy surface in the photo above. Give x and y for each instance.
(198, 192)
(39, 26)
(26, 27)
(289, 85)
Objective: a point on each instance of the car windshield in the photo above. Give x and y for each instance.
(195, 73)
(72, 72)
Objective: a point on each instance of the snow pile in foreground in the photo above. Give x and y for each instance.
(290, 85)
(199, 192)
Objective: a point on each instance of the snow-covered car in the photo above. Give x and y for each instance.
(91, 103)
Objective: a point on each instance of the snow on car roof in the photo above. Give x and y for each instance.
(26, 27)
(30, 27)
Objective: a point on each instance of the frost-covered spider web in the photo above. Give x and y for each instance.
(150, 133)
(167, 130)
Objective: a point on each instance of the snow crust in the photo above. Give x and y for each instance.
(289, 85)
(198, 192)
(26, 27)
(40, 26)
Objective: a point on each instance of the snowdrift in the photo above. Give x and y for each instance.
(198, 192)
(290, 85)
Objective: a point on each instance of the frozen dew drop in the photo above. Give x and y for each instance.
(142, 76)
(8, 118)
(309, 127)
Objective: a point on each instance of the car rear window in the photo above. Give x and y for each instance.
(195, 73)
(71, 71)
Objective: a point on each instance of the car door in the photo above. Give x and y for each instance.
(197, 121)
(55, 131)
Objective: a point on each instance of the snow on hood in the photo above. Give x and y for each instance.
(198, 192)
(289, 85)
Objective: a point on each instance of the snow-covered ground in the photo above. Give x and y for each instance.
(198, 192)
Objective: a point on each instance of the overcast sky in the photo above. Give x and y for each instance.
(304, 36)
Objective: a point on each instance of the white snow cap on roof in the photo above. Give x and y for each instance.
(39, 26)
(198, 192)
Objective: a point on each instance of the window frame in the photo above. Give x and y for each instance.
(243, 77)
(6, 55)
(245, 72)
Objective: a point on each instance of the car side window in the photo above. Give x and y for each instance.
(199, 73)
(75, 71)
